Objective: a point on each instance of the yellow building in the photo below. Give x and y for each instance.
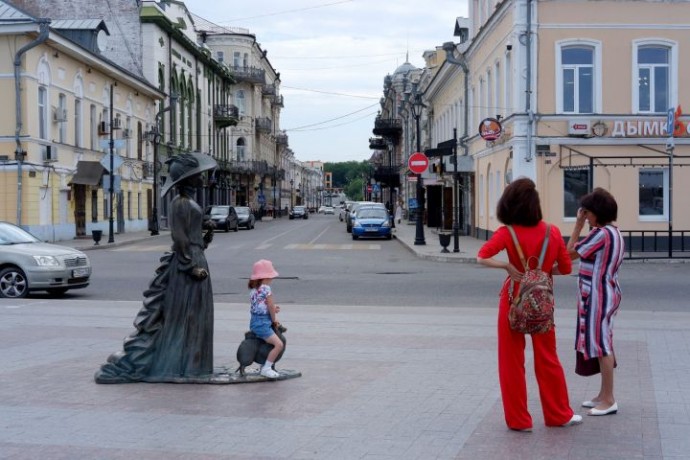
(67, 109)
(582, 90)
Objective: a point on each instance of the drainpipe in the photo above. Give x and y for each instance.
(528, 86)
(44, 28)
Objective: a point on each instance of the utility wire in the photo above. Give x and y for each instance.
(323, 5)
(332, 119)
(335, 126)
(329, 92)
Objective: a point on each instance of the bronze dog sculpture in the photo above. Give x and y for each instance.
(255, 350)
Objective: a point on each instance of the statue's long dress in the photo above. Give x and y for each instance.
(173, 340)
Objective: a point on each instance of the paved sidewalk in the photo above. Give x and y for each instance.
(422, 387)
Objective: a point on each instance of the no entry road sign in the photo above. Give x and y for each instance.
(418, 163)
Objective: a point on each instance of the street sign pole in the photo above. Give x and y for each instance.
(111, 238)
(670, 144)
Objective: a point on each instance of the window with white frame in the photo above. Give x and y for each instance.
(62, 122)
(654, 64)
(481, 195)
(653, 194)
(240, 101)
(42, 112)
(236, 57)
(77, 123)
(575, 186)
(93, 121)
(220, 56)
(578, 77)
(498, 103)
(508, 98)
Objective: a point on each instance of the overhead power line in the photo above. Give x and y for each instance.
(329, 92)
(332, 119)
(323, 5)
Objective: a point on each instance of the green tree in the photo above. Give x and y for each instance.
(349, 176)
(354, 189)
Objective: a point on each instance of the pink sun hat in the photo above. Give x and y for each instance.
(262, 270)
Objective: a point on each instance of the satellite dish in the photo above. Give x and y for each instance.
(101, 40)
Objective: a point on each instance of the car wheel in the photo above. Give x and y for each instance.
(57, 292)
(237, 227)
(355, 237)
(389, 237)
(13, 283)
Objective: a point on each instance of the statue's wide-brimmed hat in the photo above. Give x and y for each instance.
(185, 165)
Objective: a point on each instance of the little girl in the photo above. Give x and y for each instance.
(264, 312)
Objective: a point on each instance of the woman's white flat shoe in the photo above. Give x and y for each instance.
(590, 404)
(575, 420)
(611, 410)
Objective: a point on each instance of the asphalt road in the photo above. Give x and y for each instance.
(319, 264)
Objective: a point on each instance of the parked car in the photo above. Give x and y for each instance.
(371, 221)
(358, 205)
(299, 212)
(223, 216)
(27, 264)
(328, 210)
(245, 216)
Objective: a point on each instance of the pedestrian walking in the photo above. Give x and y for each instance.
(520, 208)
(601, 254)
(264, 313)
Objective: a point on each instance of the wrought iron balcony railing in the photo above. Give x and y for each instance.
(225, 115)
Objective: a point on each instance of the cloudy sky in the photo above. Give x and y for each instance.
(332, 56)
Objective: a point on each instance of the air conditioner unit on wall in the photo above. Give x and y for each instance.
(60, 115)
(49, 153)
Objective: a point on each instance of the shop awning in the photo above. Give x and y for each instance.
(88, 173)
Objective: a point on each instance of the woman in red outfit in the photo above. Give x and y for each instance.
(519, 207)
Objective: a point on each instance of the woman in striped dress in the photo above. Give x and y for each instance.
(600, 253)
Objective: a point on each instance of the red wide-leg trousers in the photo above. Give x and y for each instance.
(553, 389)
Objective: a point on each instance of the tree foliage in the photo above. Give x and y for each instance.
(349, 176)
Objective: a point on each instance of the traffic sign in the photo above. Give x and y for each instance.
(418, 163)
(670, 121)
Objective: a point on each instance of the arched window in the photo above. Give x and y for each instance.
(655, 79)
(240, 149)
(578, 77)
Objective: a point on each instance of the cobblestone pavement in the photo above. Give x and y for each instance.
(424, 386)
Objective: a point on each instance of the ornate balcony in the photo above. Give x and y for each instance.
(388, 127)
(225, 115)
(377, 143)
(248, 74)
(268, 90)
(277, 101)
(264, 125)
(282, 139)
(389, 175)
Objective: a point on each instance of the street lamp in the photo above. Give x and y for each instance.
(292, 184)
(154, 136)
(416, 107)
(449, 48)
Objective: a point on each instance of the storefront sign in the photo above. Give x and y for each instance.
(490, 129)
(650, 128)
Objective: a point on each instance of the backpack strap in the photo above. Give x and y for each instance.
(525, 263)
(544, 246)
(517, 246)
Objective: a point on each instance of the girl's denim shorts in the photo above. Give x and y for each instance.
(261, 326)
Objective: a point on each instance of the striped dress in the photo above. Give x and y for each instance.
(601, 253)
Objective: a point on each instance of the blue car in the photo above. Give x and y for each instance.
(372, 222)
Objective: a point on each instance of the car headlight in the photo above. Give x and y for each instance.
(356, 224)
(386, 223)
(46, 261)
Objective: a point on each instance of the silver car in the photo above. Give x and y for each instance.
(27, 265)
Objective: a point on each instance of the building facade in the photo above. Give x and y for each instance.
(78, 121)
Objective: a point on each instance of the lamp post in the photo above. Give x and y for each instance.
(292, 184)
(154, 136)
(417, 106)
(449, 48)
(111, 190)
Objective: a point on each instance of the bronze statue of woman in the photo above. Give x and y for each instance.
(173, 337)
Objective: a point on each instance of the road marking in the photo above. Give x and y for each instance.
(138, 248)
(335, 247)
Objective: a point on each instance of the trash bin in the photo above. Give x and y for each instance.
(97, 235)
(444, 239)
